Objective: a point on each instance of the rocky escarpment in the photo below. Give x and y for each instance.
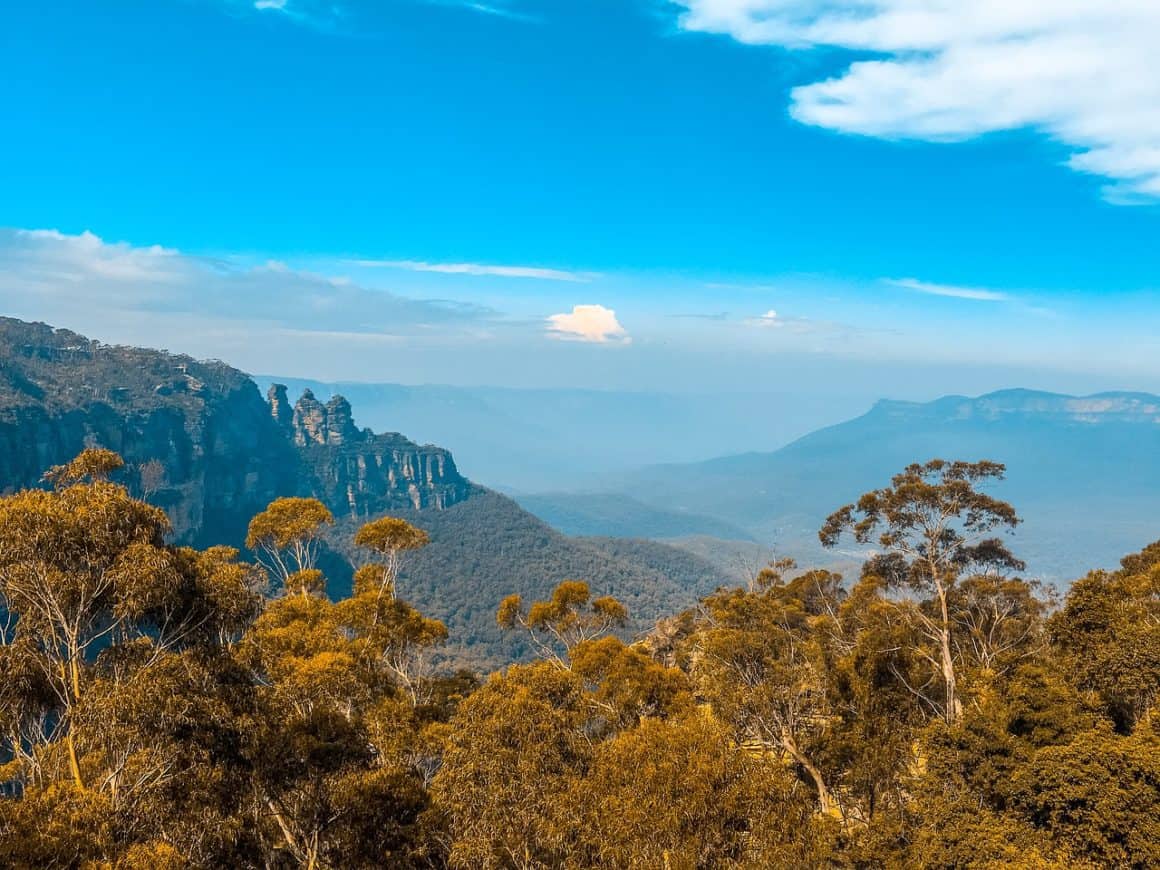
(356, 471)
(197, 437)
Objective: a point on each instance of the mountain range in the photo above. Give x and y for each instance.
(1084, 472)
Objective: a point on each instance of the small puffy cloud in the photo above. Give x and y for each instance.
(1082, 72)
(794, 329)
(592, 323)
(270, 4)
(769, 318)
(974, 293)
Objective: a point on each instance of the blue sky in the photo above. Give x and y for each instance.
(600, 193)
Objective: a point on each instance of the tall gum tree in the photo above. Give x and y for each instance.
(286, 538)
(570, 617)
(389, 539)
(934, 525)
(86, 577)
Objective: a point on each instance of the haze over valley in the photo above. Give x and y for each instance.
(738, 468)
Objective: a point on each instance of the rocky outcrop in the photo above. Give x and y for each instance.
(280, 408)
(313, 422)
(358, 472)
(222, 453)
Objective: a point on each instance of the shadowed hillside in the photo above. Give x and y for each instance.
(488, 547)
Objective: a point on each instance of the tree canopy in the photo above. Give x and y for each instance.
(166, 707)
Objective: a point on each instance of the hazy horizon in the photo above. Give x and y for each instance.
(687, 196)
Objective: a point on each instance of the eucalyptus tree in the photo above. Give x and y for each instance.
(286, 537)
(389, 538)
(934, 525)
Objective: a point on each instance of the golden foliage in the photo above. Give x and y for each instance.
(157, 711)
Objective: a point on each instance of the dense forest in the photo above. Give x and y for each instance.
(487, 546)
(168, 707)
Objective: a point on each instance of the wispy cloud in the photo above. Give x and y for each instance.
(305, 11)
(481, 269)
(808, 333)
(495, 9)
(327, 15)
(1084, 73)
(50, 274)
(591, 323)
(977, 294)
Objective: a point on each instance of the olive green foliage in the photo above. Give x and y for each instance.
(156, 712)
(1109, 636)
(390, 535)
(165, 707)
(95, 463)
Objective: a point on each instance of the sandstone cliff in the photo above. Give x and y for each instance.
(197, 437)
(358, 472)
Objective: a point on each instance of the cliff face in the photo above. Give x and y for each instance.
(354, 471)
(197, 438)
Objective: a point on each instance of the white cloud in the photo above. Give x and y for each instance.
(491, 10)
(62, 278)
(328, 15)
(805, 333)
(769, 318)
(477, 269)
(976, 293)
(74, 257)
(593, 323)
(1084, 72)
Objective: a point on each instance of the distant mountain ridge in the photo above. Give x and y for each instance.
(1126, 407)
(1084, 471)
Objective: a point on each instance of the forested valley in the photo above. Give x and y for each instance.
(169, 707)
